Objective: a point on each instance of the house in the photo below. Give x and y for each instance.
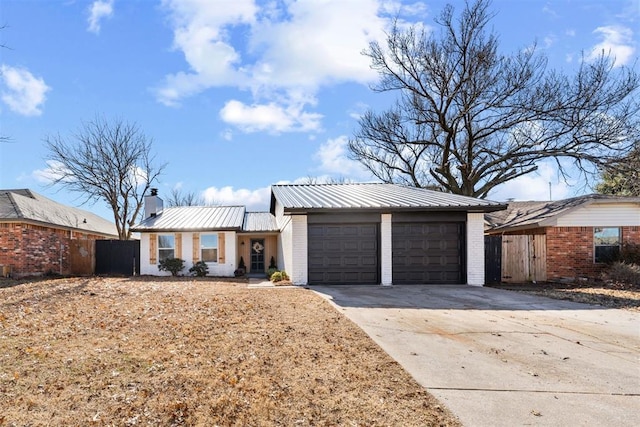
(330, 234)
(219, 235)
(40, 236)
(564, 239)
(379, 234)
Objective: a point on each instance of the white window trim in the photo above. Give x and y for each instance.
(173, 248)
(619, 245)
(217, 247)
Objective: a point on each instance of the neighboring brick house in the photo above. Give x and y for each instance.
(39, 236)
(565, 239)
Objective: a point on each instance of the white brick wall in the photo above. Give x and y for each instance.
(299, 248)
(386, 271)
(215, 269)
(475, 249)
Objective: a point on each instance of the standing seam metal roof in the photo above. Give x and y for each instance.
(195, 218)
(259, 222)
(371, 196)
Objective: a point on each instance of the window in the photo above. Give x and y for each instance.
(209, 247)
(166, 247)
(606, 242)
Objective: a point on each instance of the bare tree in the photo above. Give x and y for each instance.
(178, 198)
(3, 138)
(313, 180)
(109, 161)
(468, 118)
(622, 178)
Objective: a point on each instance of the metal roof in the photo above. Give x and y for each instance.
(29, 206)
(531, 214)
(257, 222)
(194, 218)
(303, 198)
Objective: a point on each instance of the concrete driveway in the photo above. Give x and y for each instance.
(501, 358)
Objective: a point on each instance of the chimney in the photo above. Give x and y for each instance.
(152, 204)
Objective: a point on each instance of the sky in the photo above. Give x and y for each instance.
(238, 95)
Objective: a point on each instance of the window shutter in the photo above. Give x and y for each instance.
(221, 248)
(196, 247)
(153, 248)
(178, 238)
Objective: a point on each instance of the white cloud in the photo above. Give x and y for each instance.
(333, 158)
(99, 10)
(269, 117)
(616, 40)
(254, 200)
(53, 171)
(282, 52)
(534, 186)
(23, 92)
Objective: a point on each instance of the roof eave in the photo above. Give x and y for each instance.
(184, 230)
(57, 226)
(392, 209)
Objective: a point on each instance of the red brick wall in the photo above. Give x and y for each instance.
(33, 250)
(570, 251)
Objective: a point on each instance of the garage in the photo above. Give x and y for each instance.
(379, 233)
(343, 253)
(428, 252)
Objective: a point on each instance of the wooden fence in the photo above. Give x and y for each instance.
(524, 258)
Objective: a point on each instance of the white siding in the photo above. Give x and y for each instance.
(146, 269)
(475, 249)
(215, 269)
(386, 261)
(602, 215)
(285, 254)
(299, 248)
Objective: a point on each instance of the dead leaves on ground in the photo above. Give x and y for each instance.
(190, 352)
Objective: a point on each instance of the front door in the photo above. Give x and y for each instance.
(257, 255)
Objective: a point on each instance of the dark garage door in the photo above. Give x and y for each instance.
(343, 253)
(429, 253)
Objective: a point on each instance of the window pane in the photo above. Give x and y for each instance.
(607, 253)
(165, 241)
(165, 254)
(209, 241)
(606, 236)
(606, 242)
(210, 255)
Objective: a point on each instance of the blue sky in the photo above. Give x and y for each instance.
(241, 94)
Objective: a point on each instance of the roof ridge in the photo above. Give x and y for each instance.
(19, 212)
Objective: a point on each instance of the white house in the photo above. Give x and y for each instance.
(329, 234)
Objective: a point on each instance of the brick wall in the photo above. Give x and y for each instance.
(475, 249)
(32, 250)
(570, 251)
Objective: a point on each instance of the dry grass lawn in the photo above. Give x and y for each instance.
(125, 352)
(606, 294)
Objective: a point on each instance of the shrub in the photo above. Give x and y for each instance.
(270, 272)
(624, 272)
(199, 269)
(279, 276)
(272, 264)
(172, 265)
(630, 253)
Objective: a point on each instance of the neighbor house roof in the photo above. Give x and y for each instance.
(323, 197)
(24, 205)
(532, 214)
(259, 222)
(191, 218)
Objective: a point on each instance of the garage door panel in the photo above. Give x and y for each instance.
(343, 253)
(427, 253)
